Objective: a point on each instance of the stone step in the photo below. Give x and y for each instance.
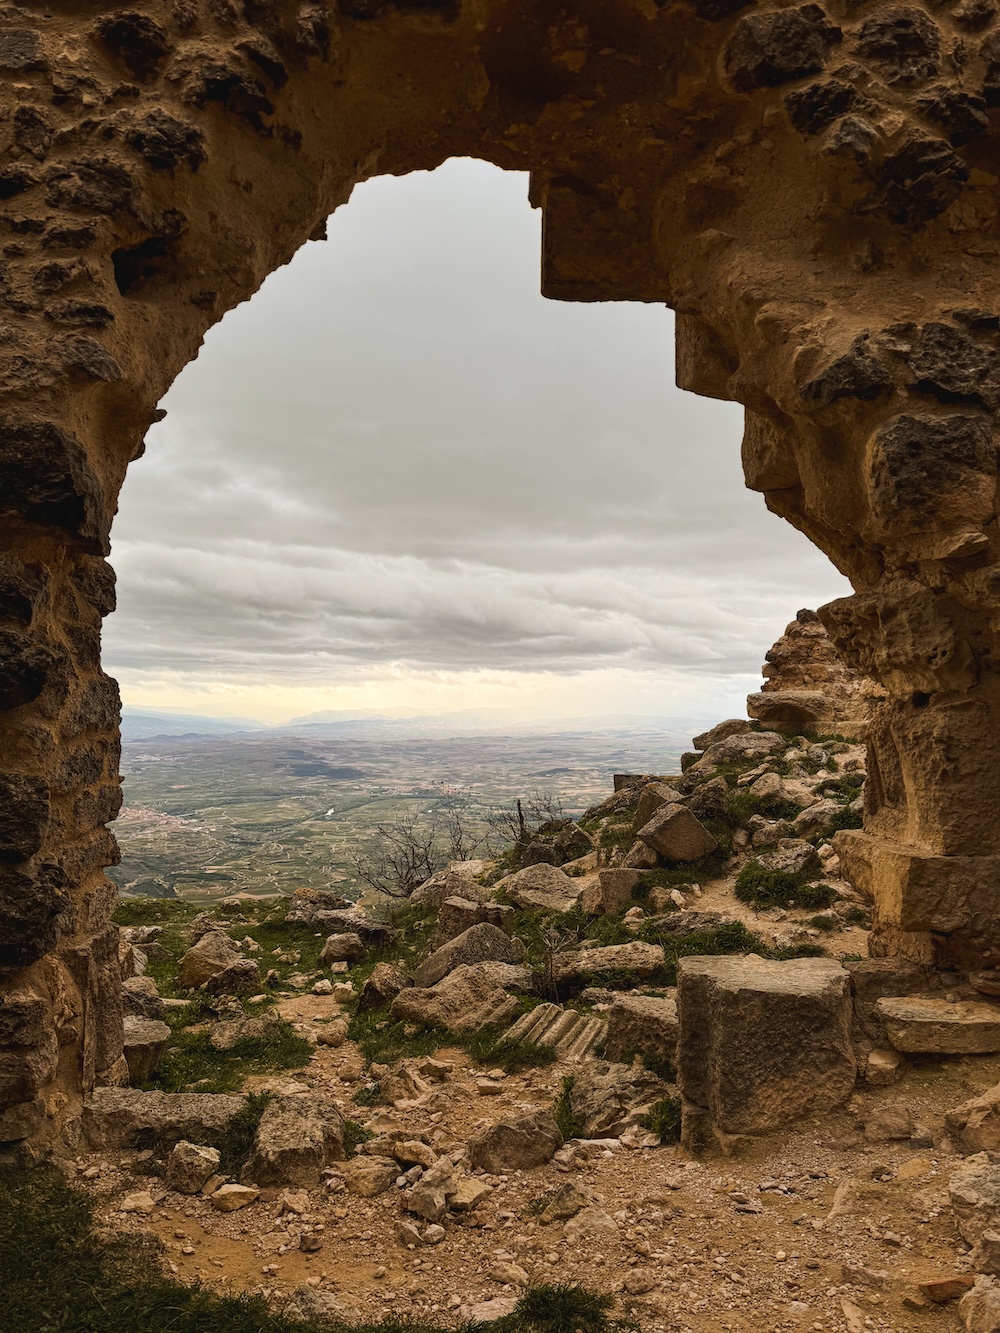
(572, 1035)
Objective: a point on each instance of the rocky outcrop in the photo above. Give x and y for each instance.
(541, 888)
(809, 688)
(481, 943)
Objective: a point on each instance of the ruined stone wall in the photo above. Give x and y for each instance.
(811, 187)
(808, 687)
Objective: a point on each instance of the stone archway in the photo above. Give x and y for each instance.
(811, 189)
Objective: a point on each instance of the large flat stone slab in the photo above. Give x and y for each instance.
(637, 958)
(760, 1044)
(126, 1117)
(935, 1027)
(542, 888)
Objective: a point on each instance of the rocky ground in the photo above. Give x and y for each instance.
(429, 1114)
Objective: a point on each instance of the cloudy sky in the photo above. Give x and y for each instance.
(398, 479)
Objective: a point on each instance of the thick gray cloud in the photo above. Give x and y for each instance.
(398, 453)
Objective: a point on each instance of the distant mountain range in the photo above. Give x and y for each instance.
(146, 724)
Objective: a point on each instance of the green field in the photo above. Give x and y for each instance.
(262, 814)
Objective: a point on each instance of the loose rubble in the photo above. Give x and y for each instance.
(652, 1058)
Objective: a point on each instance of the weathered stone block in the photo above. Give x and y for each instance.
(296, 1138)
(126, 1117)
(543, 888)
(637, 958)
(610, 893)
(677, 835)
(145, 1041)
(642, 1025)
(516, 1144)
(919, 1024)
(457, 914)
(761, 1043)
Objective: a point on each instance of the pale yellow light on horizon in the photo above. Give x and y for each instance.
(400, 691)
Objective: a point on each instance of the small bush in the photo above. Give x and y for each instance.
(661, 1066)
(383, 1039)
(777, 888)
(664, 1119)
(236, 1140)
(787, 951)
(823, 922)
(731, 937)
(355, 1134)
(844, 818)
(815, 895)
(570, 1125)
(562, 1309)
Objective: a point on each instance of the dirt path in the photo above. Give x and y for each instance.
(780, 1240)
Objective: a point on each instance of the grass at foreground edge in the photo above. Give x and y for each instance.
(60, 1275)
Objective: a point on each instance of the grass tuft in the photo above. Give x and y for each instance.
(570, 1124)
(778, 888)
(190, 1059)
(489, 1046)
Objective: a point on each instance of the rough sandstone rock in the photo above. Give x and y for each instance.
(607, 1098)
(751, 745)
(922, 1025)
(466, 999)
(241, 977)
(145, 1041)
(642, 1025)
(229, 1198)
(316, 1305)
(457, 914)
(124, 1117)
(213, 953)
(460, 880)
(141, 999)
(543, 888)
(481, 943)
(382, 985)
(975, 1125)
(368, 1176)
(676, 834)
(516, 1144)
(733, 726)
(809, 688)
(296, 1138)
(653, 798)
(974, 1193)
(874, 979)
(345, 948)
(980, 1309)
(761, 1043)
(610, 893)
(638, 959)
(189, 1166)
